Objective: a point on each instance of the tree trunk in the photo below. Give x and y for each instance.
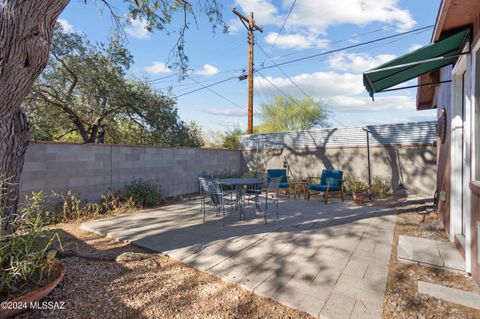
(26, 29)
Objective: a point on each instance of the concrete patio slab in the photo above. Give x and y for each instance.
(464, 298)
(330, 261)
(429, 252)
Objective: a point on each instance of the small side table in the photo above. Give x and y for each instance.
(300, 186)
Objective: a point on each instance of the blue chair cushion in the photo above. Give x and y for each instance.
(333, 176)
(323, 188)
(277, 173)
(284, 185)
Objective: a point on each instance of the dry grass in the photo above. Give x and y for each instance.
(157, 287)
(402, 299)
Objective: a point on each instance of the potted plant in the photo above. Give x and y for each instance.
(358, 189)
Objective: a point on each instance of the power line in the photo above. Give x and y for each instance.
(289, 97)
(294, 83)
(207, 86)
(283, 25)
(385, 28)
(283, 72)
(219, 95)
(419, 30)
(348, 47)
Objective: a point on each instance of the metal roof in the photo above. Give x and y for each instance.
(388, 134)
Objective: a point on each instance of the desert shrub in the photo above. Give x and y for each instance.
(74, 208)
(24, 252)
(356, 184)
(144, 193)
(381, 186)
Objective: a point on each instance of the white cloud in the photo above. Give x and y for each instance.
(231, 124)
(341, 91)
(297, 41)
(208, 70)
(357, 62)
(315, 17)
(317, 84)
(414, 46)
(265, 12)
(137, 28)
(229, 112)
(66, 26)
(157, 67)
(365, 103)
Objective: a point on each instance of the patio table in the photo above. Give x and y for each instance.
(238, 184)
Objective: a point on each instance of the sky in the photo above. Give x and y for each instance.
(312, 27)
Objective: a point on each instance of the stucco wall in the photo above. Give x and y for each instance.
(415, 164)
(92, 169)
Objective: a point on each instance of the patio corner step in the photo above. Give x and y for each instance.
(457, 296)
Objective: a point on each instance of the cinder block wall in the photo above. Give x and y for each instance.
(415, 165)
(92, 169)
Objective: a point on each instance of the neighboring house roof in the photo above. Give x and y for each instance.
(419, 133)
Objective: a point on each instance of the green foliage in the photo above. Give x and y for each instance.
(144, 193)
(213, 139)
(356, 184)
(232, 139)
(291, 114)
(159, 14)
(85, 95)
(23, 253)
(74, 208)
(381, 186)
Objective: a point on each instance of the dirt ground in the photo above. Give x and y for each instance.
(157, 287)
(160, 287)
(402, 299)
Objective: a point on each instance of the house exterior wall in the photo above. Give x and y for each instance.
(91, 169)
(449, 211)
(475, 184)
(443, 100)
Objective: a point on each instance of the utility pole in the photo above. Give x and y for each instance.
(250, 25)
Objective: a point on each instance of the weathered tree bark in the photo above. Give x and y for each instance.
(26, 29)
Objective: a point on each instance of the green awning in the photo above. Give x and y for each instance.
(429, 58)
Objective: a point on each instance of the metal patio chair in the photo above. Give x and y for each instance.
(270, 193)
(212, 195)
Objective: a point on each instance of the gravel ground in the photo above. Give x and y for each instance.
(160, 287)
(402, 299)
(156, 287)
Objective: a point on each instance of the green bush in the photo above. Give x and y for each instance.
(381, 186)
(356, 184)
(144, 193)
(24, 252)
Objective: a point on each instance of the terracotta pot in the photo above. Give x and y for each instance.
(359, 198)
(37, 294)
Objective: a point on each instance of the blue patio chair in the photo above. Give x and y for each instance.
(282, 173)
(331, 181)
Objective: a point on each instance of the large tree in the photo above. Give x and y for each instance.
(26, 30)
(85, 95)
(292, 114)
